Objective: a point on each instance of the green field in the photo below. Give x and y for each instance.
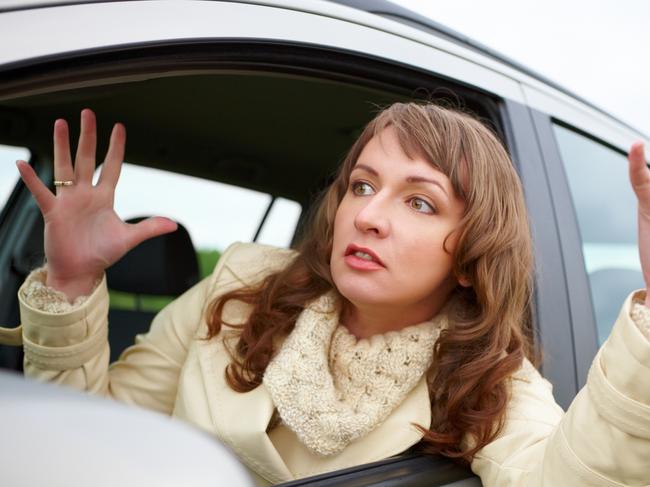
(118, 300)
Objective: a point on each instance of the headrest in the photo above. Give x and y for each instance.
(165, 265)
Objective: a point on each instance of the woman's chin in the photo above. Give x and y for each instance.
(361, 294)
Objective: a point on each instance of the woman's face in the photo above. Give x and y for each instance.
(389, 232)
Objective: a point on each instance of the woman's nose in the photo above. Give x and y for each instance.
(373, 217)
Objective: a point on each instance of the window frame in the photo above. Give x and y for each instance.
(552, 311)
(583, 320)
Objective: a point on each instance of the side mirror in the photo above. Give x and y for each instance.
(56, 436)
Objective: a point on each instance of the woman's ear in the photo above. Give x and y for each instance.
(464, 281)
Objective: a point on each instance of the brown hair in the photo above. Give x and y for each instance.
(489, 331)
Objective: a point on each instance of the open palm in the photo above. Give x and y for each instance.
(83, 234)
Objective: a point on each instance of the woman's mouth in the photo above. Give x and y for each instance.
(361, 258)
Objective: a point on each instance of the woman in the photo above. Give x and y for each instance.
(403, 318)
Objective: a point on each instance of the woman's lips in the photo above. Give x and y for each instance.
(360, 263)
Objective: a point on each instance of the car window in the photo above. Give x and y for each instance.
(214, 214)
(606, 210)
(8, 171)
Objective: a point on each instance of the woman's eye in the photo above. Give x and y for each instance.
(418, 204)
(361, 189)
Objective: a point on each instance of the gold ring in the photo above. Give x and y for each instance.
(63, 183)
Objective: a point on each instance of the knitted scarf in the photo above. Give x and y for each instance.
(330, 389)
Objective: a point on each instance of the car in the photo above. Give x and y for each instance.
(238, 112)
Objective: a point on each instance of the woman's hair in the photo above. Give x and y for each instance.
(489, 331)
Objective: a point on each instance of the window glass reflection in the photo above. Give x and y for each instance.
(606, 209)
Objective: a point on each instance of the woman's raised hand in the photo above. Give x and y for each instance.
(640, 179)
(83, 234)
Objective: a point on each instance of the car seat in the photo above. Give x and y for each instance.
(162, 266)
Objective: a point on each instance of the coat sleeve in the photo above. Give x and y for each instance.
(603, 439)
(71, 347)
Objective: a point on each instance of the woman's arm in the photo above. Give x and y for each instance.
(71, 347)
(604, 437)
(83, 236)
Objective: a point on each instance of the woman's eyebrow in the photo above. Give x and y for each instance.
(420, 179)
(410, 179)
(366, 168)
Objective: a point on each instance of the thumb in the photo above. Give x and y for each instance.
(149, 228)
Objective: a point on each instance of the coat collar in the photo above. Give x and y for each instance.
(241, 419)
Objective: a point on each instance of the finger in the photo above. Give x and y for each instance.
(63, 169)
(114, 157)
(84, 164)
(639, 173)
(43, 196)
(149, 228)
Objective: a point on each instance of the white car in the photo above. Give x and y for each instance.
(237, 114)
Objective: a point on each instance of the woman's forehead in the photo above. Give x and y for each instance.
(384, 153)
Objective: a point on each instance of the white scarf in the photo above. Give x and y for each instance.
(330, 389)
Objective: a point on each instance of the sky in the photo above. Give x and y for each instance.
(599, 49)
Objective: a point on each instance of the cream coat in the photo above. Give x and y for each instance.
(602, 440)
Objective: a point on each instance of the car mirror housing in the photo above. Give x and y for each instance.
(60, 437)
